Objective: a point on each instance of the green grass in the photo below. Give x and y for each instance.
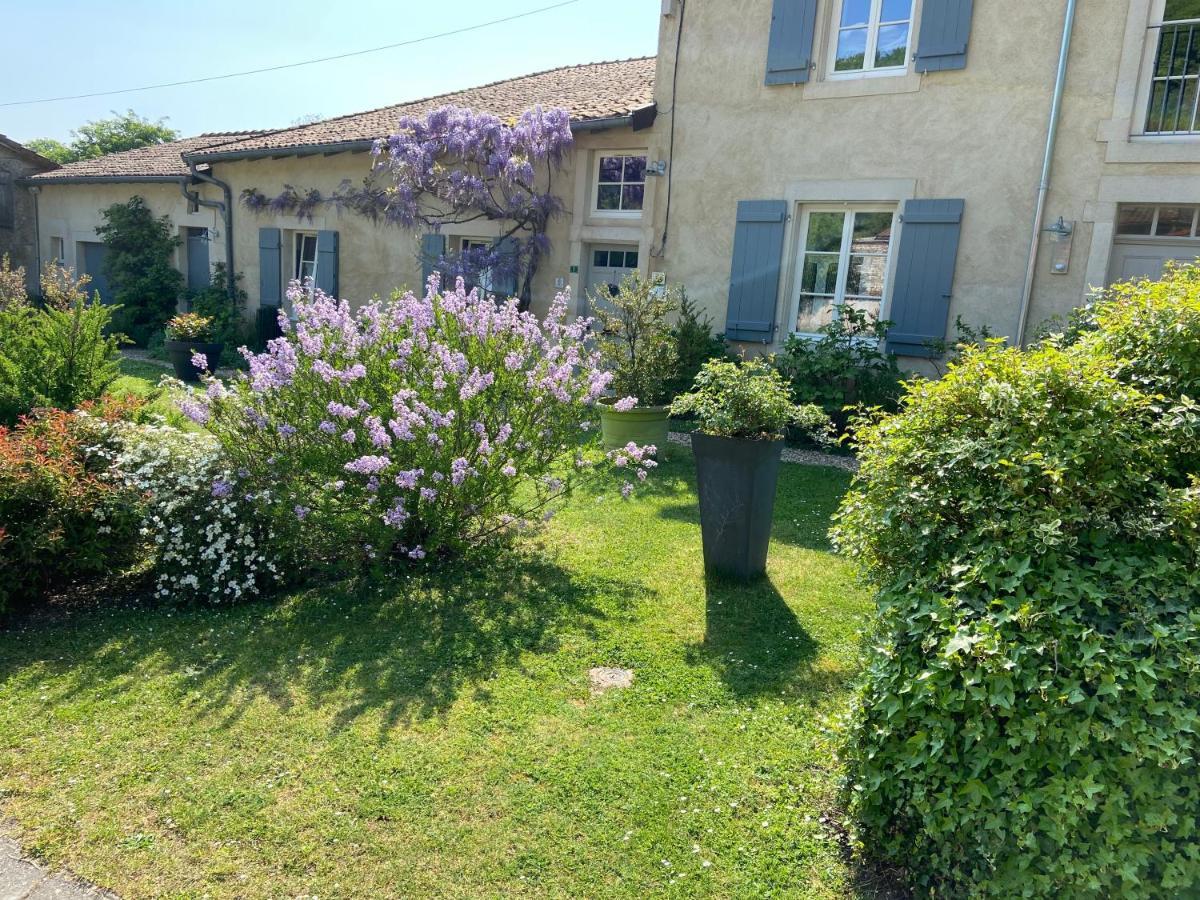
(141, 379)
(434, 734)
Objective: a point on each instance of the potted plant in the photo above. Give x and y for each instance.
(742, 409)
(191, 346)
(637, 346)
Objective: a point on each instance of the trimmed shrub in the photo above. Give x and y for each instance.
(52, 357)
(695, 344)
(413, 426)
(1028, 723)
(60, 517)
(139, 265)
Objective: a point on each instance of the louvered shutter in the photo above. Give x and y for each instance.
(754, 274)
(925, 263)
(945, 32)
(790, 48)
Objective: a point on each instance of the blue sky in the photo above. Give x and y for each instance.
(72, 47)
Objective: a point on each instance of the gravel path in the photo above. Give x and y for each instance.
(792, 455)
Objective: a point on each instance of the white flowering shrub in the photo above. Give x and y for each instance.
(212, 543)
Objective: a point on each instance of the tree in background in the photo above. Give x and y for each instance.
(127, 131)
(139, 267)
(453, 167)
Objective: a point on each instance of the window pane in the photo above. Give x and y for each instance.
(1154, 113)
(825, 231)
(600, 259)
(851, 50)
(1135, 219)
(815, 313)
(870, 307)
(1181, 9)
(631, 196)
(631, 259)
(608, 196)
(896, 11)
(635, 168)
(820, 273)
(1175, 221)
(893, 45)
(872, 232)
(610, 168)
(866, 275)
(856, 12)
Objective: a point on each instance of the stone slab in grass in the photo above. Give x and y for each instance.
(605, 678)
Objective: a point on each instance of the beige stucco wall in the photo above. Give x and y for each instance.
(976, 134)
(72, 211)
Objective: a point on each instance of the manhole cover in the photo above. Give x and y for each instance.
(605, 679)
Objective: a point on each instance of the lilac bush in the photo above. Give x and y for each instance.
(454, 166)
(416, 425)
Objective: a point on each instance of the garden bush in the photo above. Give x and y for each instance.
(230, 326)
(55, 357)
(845, 367)
(1028, 722)
(61, 518)
(414, 426)
(635, 340)
(695, 344)
(140, 267)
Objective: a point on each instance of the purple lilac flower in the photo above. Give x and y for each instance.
(341, 410)
(349, 436)
(287, 430)
(368, 465)
(408, 479)
(458, 471)
(396, 516)
(428, 494)
(416, 553)
(327, 427)
(200, 361)
(626, 490)
(376, 431)
(625, 404)
(509, 469)
(301, 512)
(222, 488)
(197, 412)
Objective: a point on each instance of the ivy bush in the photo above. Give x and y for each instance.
(1028, 723)
(415, 426)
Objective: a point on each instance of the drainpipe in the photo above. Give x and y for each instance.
(1044, 187)
(36, 286)
(226, 209)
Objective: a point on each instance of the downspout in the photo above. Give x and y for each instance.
(1044, 187)
(226, 209)
(37, 243)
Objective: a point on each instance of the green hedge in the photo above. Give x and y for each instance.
(1029, 722)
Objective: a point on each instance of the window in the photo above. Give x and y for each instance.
(58, 250)
(844, 258)
(7, 200)
(473, 251)
(305, 256)
(1157, 221)
(1174, 97)
(620, 185)
(871, 36)
(615, 259)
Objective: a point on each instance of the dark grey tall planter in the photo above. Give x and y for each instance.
(736, 480)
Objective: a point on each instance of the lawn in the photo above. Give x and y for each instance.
(435, 735)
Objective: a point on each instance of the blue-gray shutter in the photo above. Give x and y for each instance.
(790, 49)
(504, 285)
(754, 274)
(270, 267)
(945, 31)
(433, 248)
(925, 264)
(327, 262)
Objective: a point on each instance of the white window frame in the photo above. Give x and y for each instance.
(1146, 80)
(618, 213)
(466, 243)
(839, 296)
(869, 69)
(297, 261)
(1154, 236)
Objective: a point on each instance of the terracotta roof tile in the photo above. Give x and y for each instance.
(591, 91)
(156, 161)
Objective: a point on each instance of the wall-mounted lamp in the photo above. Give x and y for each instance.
(1061, 233)
(1061, 228)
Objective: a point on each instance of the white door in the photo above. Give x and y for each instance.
(607, 265)
(1136, 261)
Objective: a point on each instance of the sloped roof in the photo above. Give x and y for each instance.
(158, 161)
(588, 92)
(25, 153)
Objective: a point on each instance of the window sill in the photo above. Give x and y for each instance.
(1124, 147)
(843, 87)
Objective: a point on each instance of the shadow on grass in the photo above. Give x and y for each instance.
(398, 650)
(753, 640)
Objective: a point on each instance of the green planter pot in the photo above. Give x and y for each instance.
(642, 425)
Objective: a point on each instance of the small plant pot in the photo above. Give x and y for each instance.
(180, 354)
(736, 479)
(642, 425)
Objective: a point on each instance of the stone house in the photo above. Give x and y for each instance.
(781, 158)
(18, 228)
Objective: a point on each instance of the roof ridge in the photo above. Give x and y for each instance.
(476, 87)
